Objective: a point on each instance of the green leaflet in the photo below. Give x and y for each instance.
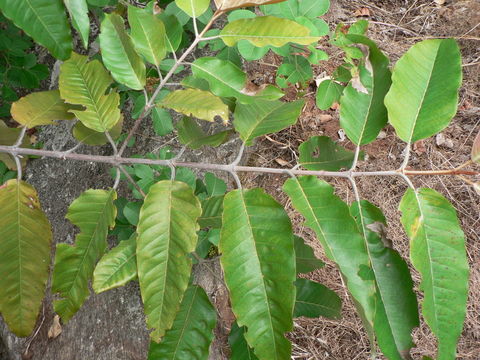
(294, 69)
(148, 35)
(117, 267)
(397, 308)
(78, 10)
(191, 332)
(265, 117)
(167, 233)
(424, 93)
(194, 8)
(94, 213)
(238, 344)
(85, 83)
(322, 153)
(257, 236)
(305, 258)
(9, 136)
(91, 137)
(212, 210)
(25, 233)
(228, 80)
(292, 9)
(437, 251)
(40, 108)
(198, 103)
(336, 230)
(44, 20)
(328, 92)
(119, 55)
(192, 135)
(227, 5)
(362, 112)
(267, 30)
(315, 300)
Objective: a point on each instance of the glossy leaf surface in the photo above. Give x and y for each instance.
(78, 10)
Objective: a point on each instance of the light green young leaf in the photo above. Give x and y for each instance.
(198, 103)
(228, 80)
(167, 233)
(294, 69)
(148, 35)
(85, 83)
(117, 267)
(92, 137)
(329, 217)
(44, 20)
(94, 213)
(328, 92)
(322, 153)
(40, 108)
(78, 10)
(192, 330)
(238, 344)
(194, 8)
(362, 113)
(265, 117)
(315, 300)
(257, 233)
(397, 308)
(306, 261)
(119, 55)
(267, 30)
(191, 134)
(437, 251)
(25, 234)
(424, 93)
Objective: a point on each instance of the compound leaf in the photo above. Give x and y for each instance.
(437, 251)
(85, 83)
(119, 55)
(329, 217)
(363, 113)
(315, 300)
(167, 233)
(78, 10)
(44, 20)
(256, 236)
(322, 153)
(25, 237)
(117, 267)
(424, 93)
(267, 30)
(198, 103)
(192, 330)
(94, 213)
(228, 80)
(40, 108)
(191, 134)
(294, 69)
(148, 35)
(265, 117)
(306, 260)
(397, 308)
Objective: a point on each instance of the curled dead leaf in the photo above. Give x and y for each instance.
(362, 12)
(281, 162)
(55, 329)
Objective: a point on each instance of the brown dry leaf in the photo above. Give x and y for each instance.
(55, 329)
(440, 2)
(226, 5)
(357, 85)
(476, 149)
(476, 187)
(325, 118)
(419, 147)
(335, 106)
(362, 12)
(281, 162)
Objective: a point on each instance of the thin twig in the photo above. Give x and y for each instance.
(129, 178)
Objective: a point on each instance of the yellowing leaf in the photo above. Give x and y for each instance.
(226, 5)
(198, 103)
(8, 136)
(194, 8)
(85, 83)
(40, 108)
(267, 30)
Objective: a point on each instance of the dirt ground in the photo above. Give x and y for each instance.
(395, 26)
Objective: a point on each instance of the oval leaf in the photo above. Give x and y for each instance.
(40, 108)
(424, 93)
(322, 153)
(315, 300)
(194, 8)
(92, 137)
(94, 213)
(437, 251)
(328, 93)
(78, 10)
(85, 83)
(198, 103)
(227, 5)
(119, 55)
(166, 235)
(192, 135)
(257, 234)
(192, 330)
(267, 30)
(44, 20)
(25, 233)
(117, 267)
